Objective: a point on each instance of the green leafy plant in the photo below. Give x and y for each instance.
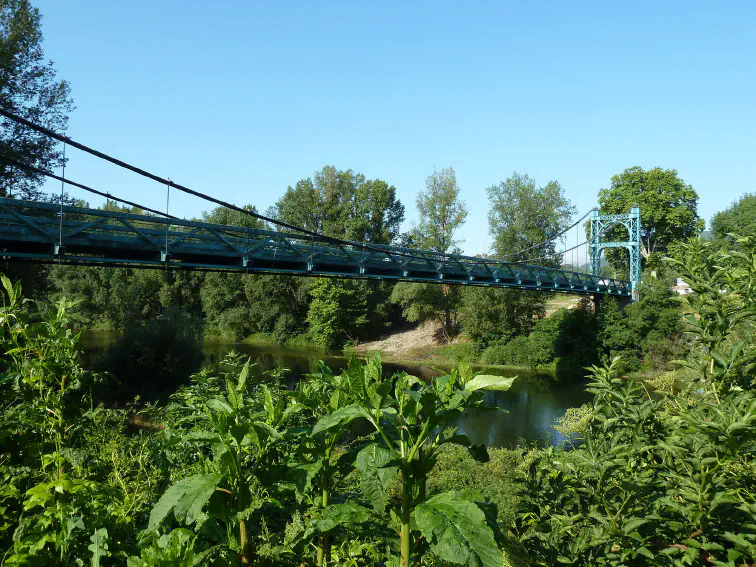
(242, 438)
(411, 421)
(722, 305)
(656, 482)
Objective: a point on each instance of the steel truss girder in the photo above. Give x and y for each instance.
(30, 231)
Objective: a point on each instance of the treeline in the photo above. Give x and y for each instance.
(329, 312)
(504, 326)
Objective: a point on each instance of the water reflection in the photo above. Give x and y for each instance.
(534, 402)
(533, 408)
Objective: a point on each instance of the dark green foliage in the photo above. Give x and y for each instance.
(429, 302)
(343, 204)
(738, 218)
(28, 88)
(721, 313)
(654, 483)
(116, 298)
(523, 215)
(494, 316)
(441, 213)
(668, 209)
(647, 333)
(494, 479)
(338, 312)
(567, 338)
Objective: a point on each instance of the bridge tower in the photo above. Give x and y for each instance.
(632, 223)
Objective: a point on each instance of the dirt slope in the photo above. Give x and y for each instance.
(428, 334)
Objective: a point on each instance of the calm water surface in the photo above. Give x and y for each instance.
(531, 406)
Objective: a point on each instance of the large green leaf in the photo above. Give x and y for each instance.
(99, 546)
(185, 499)
(375, 474)
(233, 397)
(340, 417)
(302, 475)
(338, 514)
(490, 382)
(457, 531)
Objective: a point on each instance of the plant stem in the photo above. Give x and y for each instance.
(406, 504)
(323, 543)
(243, 541)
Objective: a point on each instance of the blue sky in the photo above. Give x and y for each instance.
(242, 99)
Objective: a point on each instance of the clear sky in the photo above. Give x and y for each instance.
(241, 99)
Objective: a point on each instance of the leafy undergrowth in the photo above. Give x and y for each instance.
(237, 473)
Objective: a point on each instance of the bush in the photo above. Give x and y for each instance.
(567, 338)
(654, 483)
(646, 333)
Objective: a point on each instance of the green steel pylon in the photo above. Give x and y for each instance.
(632, 223)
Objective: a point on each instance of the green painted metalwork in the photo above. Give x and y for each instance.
(632, 223)
(30, 231)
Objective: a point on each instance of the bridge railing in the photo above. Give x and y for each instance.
(34, 231)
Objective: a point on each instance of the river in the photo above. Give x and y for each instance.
(527, 411)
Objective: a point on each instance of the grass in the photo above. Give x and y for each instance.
(297, 341)
(559, 301)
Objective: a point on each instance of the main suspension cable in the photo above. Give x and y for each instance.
(81, 186)
(573, 225)
(182, 188)
(560, 252)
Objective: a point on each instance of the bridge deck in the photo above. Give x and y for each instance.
(31, 231)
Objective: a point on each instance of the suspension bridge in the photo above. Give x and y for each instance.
(49, 232)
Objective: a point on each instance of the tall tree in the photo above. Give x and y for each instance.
(29, 88)
(739, 218)
(523, 215)
(441, 213)
(344, 204)
(668, 207)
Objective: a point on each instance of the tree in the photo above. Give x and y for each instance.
(422, 302)
(523, 215)
(338, 311)
(442, 213)
(343, 204)
(496, 315)
(646, 332)
(738, 218)
(29, 88)
(668, 208)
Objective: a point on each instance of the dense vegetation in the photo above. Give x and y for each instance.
(662, 478)
(230, 472)
(360, 468)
